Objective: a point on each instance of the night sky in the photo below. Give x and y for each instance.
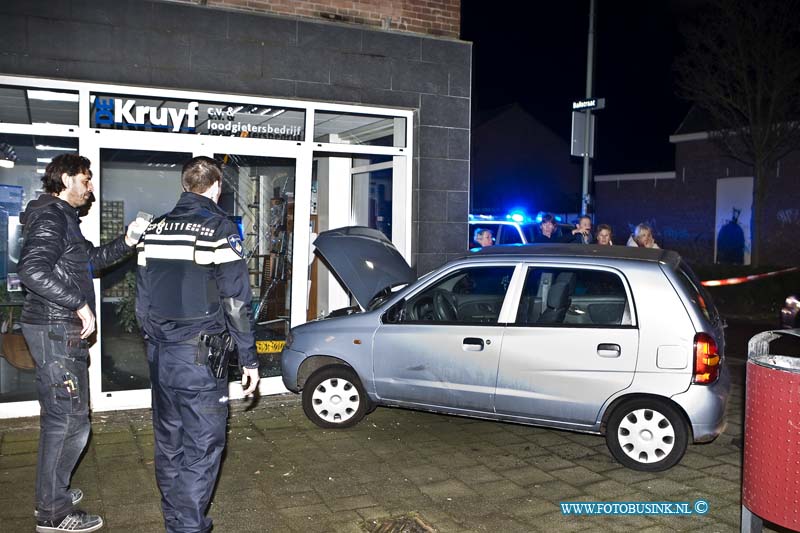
(534, 53)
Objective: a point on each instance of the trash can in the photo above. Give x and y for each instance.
(771, 468)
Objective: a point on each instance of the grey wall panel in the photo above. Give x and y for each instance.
(432, 206)
(432, 141)
(119, 13)
(84, 70)
(457, 205)
(221, 55)
(382, 97)
(358, 70)
(246, 27)
(328, 36)
(458, 143)
(444, 174)
(460, 80)
(57, 9)
(13, 33)
(293, 63)
(442, 237)
(446, 52)
(183, 18)
(60, 39)
(419, 77)
(392, 45)
(444, 111)
(327, 92)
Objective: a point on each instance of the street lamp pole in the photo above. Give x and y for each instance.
(586, 199)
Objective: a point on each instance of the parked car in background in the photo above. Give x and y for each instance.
(617, 341)
(513, 228)
(790, 313)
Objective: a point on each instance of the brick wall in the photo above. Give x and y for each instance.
(430, 17)
(683, 210)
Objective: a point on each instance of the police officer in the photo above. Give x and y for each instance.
(192, 284)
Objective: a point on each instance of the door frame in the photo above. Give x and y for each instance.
(164, 142)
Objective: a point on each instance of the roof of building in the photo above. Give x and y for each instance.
(697, 120)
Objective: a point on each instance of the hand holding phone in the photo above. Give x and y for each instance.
(138, 226)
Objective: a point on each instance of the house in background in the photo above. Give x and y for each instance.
(703, 208)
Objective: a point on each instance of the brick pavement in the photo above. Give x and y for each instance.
(281, 473)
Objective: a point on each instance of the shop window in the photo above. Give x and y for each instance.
(23, 159)
(350, 128)
(372, 192)
(20, 105)
(369, 178)
(130, 181)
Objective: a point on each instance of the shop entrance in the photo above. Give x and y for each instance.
(292, 169)
(258, 194)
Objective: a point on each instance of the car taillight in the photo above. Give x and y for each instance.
(706, 359)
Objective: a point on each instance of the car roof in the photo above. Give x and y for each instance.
(524, 251)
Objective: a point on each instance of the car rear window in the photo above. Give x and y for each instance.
(696, 292)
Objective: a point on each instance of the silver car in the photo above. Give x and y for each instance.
(622, 342)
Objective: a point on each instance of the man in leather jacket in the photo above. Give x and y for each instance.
(58, 317)
(192, 283)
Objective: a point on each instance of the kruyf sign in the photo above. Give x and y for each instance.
(125, 112)
(142, 113)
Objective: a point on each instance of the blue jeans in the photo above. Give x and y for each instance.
(62, 381)
(190, 413)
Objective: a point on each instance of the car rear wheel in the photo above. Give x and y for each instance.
(333, 397)
(647, 434)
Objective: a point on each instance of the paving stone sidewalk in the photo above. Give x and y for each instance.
(283, 474)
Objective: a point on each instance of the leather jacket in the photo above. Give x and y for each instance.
(56, 263)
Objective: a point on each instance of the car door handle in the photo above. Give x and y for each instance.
(472, 344)
(608, 350)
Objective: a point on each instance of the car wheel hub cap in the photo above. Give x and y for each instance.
(335, 400)
(646, 435)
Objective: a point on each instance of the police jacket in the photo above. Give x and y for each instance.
(192, 277)
(56, 262)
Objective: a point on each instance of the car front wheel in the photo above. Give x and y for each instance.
(333, 397)
(647, 435)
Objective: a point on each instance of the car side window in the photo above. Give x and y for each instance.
(468, 296)
(509, 235)
(573, 297)
(491, 226)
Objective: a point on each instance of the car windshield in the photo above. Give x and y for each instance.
(384, 295)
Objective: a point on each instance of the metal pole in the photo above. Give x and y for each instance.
(586, 199)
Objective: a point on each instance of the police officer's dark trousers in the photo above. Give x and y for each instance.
(190, 410)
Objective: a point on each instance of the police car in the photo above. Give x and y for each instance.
(511, 229)
(514, 228)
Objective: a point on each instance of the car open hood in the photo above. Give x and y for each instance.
(364, 260)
